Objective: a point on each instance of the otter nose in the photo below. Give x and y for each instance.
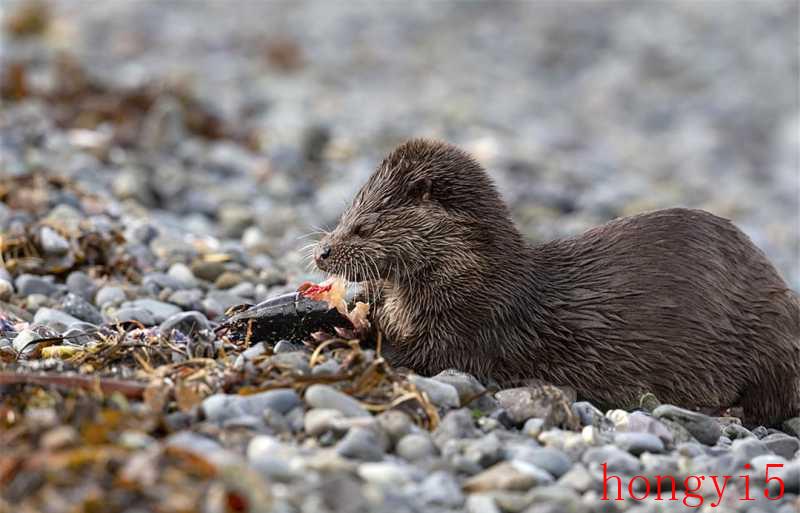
(323, 252)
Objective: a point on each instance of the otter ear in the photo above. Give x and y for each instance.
(421, 188)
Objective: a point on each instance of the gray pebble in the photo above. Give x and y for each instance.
(619, 461)
(78, 282)
(183, 274)
(80, 308)
(109, 295)
(129, 314)
(156, 282)
(416, 447)
(327, 368)
(188, 299)
(325, 396)
(363, 443)
(782, 444)
(484, 451)
(53, 243)
(639, 422)
(441, 394)
(638, 443)
(321, 420)
(749, 448)
(481, 503)
(23, 342)
(27, 284)
(550, 459)
(792, 426)
(187, 323)
(284, 346)
(704, 428)
(51, 316)
(440, 489)
(296, 361)
(161, 311)
(271, 457)
(385, 474)
(220, 407)
(455, 425)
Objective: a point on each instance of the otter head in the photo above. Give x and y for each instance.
(428, 204)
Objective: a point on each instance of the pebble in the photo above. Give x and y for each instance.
(51, 316)
(161, 311)
(792, 426)
(440, 489)
(183, 274)
(28, 284)
(188, 323)
(385, 473)
(416, 447)
(749, 448)
(321, 420)
(109, 295)
(156, 282)
(441, 394)
(6, 289)
(481, 503)
(704, 428)
(228, 280)
(455, 425)
(52, 242)
(188, 299)
(82, 309)
(524, 403)
(363, 443)
(22, 343)
(638, 443)
(550, 459)
(284, 346)
(208, 271)
(325, 396)
(508, 475)
(329, 367)
(78, 282)
(271, 457)
(782, 444)
(221, 407)
(129, 314)
(620, 462)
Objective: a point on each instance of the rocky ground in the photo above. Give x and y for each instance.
(164, 161)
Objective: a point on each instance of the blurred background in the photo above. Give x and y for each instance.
(246, 124)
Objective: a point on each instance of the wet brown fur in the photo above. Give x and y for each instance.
(677, 302)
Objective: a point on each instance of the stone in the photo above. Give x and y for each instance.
(578, 478)
(129, 314)
(228, 280)
(553, 460)
(188, 299)
(388, 474)
(484, 451)
(50, 316)
(545, 402)
(80, 308)
(481, 503)
(638, 443)
(221, 407)
(23, 343)
(161, 311)
(782, 444)
(156, 282)
(704, 428)
(441, 394)
(52, 242)
(208, 271)
(78, 282)
(363, 443)
(455, 425)
(508, 475)
(416, 447)
(325, 396)
(318, 421)
(27, 284)
(183, 274)
(271, 458)
(187, 323)
(792, 426)
(109, 295)
(556, 499)
(395, 423)
(6, 289)
(440, 489)
(329, 367)
(284, 346)
(749, 448)
(619, 462)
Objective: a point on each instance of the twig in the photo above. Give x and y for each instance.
(130, 389)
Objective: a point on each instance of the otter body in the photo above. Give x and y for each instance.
(676, 302)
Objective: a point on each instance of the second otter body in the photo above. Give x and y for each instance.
(676, 302)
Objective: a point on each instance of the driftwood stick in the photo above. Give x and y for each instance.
(130, 389)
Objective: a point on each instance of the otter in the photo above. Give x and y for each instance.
(676, 302)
